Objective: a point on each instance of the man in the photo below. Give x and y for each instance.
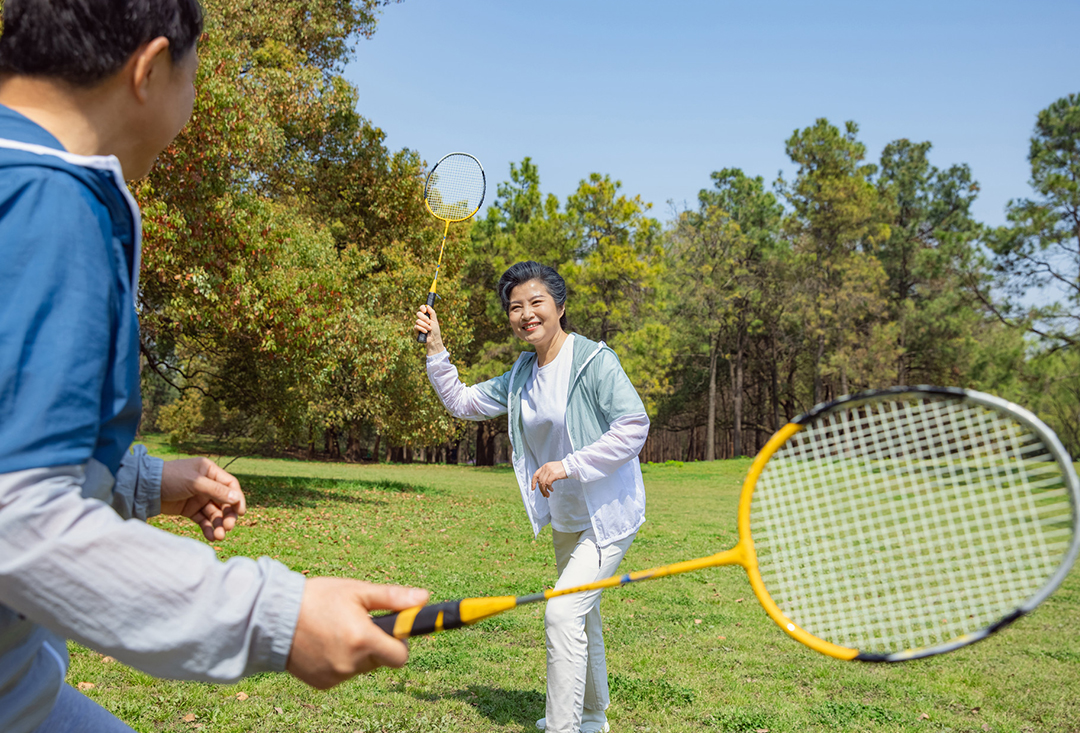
(90, 92)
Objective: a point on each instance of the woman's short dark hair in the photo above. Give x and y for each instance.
(523, 272)
(84, 42)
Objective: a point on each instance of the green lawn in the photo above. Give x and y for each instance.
(689, 653)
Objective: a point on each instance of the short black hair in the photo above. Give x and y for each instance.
(523, 272)
(84, 42)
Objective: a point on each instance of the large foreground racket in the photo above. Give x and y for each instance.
(885, 526)
(454, 191)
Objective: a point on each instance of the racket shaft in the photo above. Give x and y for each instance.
(422, 337)
(731, 557)
(421, 620)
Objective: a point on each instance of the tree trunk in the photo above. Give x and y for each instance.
(737, 397)
(485, 443)
(710, 430)
(775, 389)
(353, 450)
(333, 450)
(375, 450)
(818, 391)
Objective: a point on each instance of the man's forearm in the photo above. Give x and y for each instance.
(158, 602)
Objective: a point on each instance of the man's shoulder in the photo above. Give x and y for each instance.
(46, 199)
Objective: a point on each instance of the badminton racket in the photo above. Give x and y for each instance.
(454, 191)
(888, 525)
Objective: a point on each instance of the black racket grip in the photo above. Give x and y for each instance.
(422, 337)
(426, 621)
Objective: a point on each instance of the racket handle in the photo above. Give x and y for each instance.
(421, 620)
(422, 337)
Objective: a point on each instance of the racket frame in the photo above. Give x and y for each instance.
(427, 189)
(1022, 415)
(422, 337)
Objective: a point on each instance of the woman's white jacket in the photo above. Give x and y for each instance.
(605, 419)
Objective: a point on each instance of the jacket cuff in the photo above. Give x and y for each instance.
(277, 614)
(148, 492)
(568, 466)
(137, 491)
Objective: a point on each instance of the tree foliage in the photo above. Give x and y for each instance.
(286, 249)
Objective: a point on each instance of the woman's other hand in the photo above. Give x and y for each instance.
(546, 475)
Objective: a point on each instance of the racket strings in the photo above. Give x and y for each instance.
(906, 524)
(455, 187)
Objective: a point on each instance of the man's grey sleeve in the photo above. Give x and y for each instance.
(137, 492)
(161, 603)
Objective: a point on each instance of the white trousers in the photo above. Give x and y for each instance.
(577, 684)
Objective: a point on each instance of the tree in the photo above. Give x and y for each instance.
(1039, 249)
(929, 253)
(285, 246)
(837, 216)
(614, 273)
(721, 256)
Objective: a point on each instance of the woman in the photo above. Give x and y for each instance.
(576, 428)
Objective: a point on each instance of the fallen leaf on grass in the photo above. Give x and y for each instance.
(721, 637)
(924, 716)
(279, 711)
(761, 730)
(241, 696)
(697, 621)
(86, 685)
(189, 718)
(739, 600)
(108, 660)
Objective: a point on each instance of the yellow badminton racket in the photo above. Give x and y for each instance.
(454, 191)
(884, 526)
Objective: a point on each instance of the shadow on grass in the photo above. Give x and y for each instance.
(308, 492)
(500, 706)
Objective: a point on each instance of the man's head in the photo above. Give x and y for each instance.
(111, 77)
(84, 42)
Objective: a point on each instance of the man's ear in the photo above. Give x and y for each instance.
(147, 64)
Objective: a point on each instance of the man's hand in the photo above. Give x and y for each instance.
(208, 495)
(335, 639)
(546, 475)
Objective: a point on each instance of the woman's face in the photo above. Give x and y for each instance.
(534, 317)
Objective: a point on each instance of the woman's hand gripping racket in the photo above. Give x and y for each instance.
(885, 526)
(454, 191)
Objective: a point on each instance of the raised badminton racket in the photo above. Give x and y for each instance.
(884, 526)
(454, 191)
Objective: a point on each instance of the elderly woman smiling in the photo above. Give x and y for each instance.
(576, 427)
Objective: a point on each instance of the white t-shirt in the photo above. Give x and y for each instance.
(543, 416)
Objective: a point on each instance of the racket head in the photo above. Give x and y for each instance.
(455, 187)
(902, 523)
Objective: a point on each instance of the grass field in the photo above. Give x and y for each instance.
(689, 653)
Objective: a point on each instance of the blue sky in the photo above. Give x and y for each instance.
(660, 94)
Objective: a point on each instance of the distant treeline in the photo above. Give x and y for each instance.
(286, 250)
